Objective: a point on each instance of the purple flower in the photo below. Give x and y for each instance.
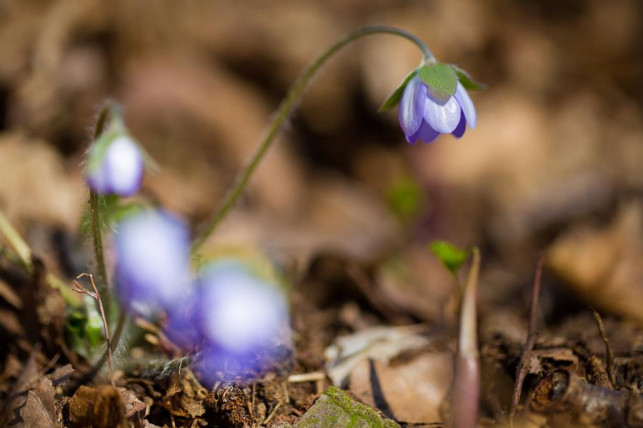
(152, 268)
(424, 118)
(239, 319)
(118, 170)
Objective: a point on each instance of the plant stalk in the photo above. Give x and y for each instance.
(284, 111)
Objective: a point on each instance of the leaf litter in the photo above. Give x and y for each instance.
(551, 169)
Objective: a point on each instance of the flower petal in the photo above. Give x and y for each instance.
(153, 259)
(124, 167)
(443, 118)
(462, 126)
(426, 134)
(97, 180)
(412, 107)
(465, 102)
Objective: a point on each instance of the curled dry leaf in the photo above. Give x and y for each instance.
(132, 404)
(379, 343)
(185, 395)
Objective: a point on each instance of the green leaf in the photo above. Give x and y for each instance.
(94, 327)
(111, 212)
(451, 256)
(396, 96)
(404, 197)
(467, 81)
(440, 80)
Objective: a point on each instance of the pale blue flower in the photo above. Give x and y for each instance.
(120, 169)
(424, 118)
(152, 268)
(234, 319)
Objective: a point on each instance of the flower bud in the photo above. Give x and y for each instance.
(119, 170)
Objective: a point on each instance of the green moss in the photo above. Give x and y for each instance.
(335, 408)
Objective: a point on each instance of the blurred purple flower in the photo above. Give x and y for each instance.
(184, 326)
(152, 268)
(120, 170)
(423, 118)
(238, 318)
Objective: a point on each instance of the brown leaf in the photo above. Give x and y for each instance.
(132, 404)
(40, 409)
(185, 395)
(18, 395)
(61, 374)
(395, 388)
(100, 407)
(605, 265)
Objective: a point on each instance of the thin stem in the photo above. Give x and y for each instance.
(284, 111)
(96, 296)
(94, 210)
(532, 335)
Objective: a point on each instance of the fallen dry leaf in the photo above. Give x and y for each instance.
(132, 404)
(100, 407)
(411, 390)
(18, 394)
(40, 409)
(604, 265)
(380, 343)
(61, 374)
(185, 395)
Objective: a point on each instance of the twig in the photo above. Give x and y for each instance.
(96, 296)
(532, 335)
(591, 405)
(272, 414)
(609, 355)
(306, 377)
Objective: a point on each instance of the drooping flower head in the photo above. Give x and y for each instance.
(152, 267)
(433, 100)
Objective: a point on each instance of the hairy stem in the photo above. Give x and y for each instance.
(284, 111)
(101, 268)
(94, 210)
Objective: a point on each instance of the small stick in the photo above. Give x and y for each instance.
(609, 356)
(532, 335)
(251, 404)
(272, 414)
(96, 296)
(306, 377)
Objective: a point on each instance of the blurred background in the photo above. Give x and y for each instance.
(555, 164)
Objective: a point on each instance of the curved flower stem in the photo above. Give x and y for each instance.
(286, 107)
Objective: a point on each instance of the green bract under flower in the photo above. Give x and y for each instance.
(433, 100)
